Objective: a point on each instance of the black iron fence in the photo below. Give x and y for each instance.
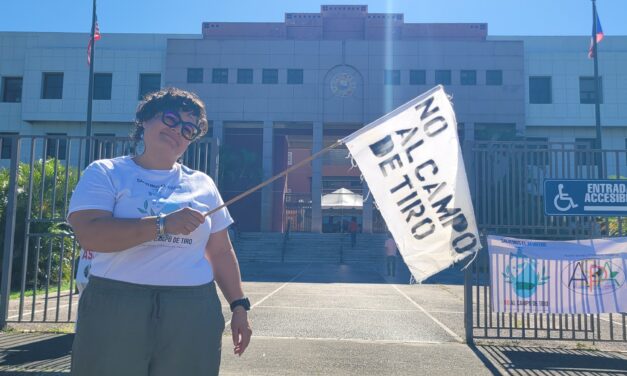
(507, 185)
(506, 180)
(39, 250)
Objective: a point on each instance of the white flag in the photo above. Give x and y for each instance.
(412, 162)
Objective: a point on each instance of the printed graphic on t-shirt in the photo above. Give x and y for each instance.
(159, 203)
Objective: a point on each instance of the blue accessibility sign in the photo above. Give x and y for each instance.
(606, 198)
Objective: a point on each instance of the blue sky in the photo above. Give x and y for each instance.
(504, 17)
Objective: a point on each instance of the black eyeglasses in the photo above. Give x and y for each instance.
(188, 130)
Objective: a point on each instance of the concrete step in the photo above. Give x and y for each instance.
(309, 247)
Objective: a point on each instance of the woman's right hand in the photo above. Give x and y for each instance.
(183, 221)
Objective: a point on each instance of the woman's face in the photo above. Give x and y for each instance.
(164, 139)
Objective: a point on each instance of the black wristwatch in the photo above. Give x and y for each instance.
(244, 302)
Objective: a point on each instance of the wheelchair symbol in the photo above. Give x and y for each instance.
(563, 202)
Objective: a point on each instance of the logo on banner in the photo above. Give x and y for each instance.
(522, 274)
(593, 276)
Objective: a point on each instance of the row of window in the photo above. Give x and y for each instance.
(541, 90)
(52, 86)
(244, 76)
(493, 77)
(540, 87)
(295, 76)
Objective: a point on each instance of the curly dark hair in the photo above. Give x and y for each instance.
(169, 98)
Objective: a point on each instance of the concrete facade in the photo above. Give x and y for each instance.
(295, 87)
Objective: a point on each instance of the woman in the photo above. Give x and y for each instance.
(151, 307)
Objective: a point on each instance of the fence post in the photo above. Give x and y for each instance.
(9, 232)
(468, 304)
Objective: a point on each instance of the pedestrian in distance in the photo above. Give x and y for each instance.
(353, 228)
(390, 255)
(151, 305)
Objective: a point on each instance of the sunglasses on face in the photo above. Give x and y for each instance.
(188, 130)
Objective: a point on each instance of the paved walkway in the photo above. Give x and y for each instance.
(346, 320)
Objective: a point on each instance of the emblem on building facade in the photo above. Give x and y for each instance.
(343, 84)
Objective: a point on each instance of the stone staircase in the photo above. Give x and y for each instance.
(309, 247)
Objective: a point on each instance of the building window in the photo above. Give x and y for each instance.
(392, 77)
(468, 77)
(12, 89)
(148, 83)
(294, 76)
(103, 145)
(584, 156)
(220, 76)
(540, 90)
(6, 142)
(52, 87)
(270, 76)
(587, 90)
(56, 144)
(442, 77)
(495, 132)
(417, 77)
(494, 77)
(244, 76)
(194, 75)
(102, 86)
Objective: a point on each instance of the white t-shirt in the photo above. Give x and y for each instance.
(127, 190)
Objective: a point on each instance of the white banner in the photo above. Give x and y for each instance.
(412, 162)
(558, 276)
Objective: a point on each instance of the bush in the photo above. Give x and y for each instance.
(53, 251)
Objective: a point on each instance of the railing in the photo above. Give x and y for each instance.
(39, 250)
(506, 181)
(298, 211)
(286, 237)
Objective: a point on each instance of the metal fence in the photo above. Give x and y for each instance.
(506, 181)
(506, 184)
(39, 250)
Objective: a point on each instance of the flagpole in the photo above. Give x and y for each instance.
(90, 92)
(597, 96)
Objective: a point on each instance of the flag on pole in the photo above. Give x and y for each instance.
(412, 162)
(95, 38)
(599, 37)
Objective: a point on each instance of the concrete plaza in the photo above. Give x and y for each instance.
(335, 319)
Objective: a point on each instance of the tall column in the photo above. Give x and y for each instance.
(316, 179)
(216, 143)
(266, 192)
(367, 209)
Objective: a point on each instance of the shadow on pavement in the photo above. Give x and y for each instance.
(340, 273)
(24, 349)
(531, 360)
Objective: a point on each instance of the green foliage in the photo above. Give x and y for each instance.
(50, 255)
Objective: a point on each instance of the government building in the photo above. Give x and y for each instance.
(278, 92)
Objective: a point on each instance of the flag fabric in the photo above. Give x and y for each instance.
(96, 37)
(599, 38)
(541, 276)
(412, 162)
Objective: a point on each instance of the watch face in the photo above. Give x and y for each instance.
(343, 84)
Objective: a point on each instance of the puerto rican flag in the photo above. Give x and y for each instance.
(599, 38)
(96, 37)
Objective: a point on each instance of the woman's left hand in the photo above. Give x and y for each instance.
(240, 328)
